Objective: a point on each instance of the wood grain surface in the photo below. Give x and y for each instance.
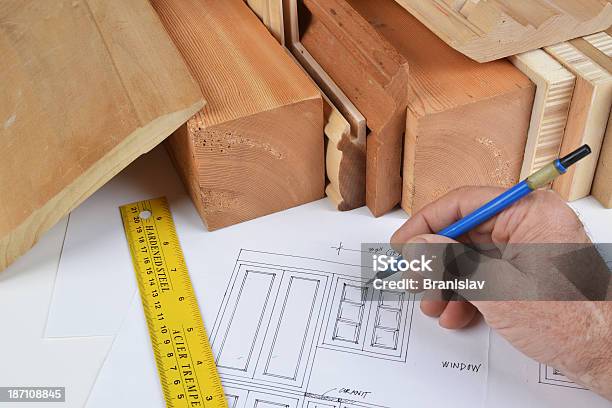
(87, 87)
(257, 146)
(486, 30)
(467, 122)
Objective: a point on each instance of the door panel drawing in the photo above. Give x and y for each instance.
(245, 320)
(289, 340)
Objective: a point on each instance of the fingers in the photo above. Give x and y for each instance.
(452, 315)
(457, 315)
(445, 211)
(433, 308)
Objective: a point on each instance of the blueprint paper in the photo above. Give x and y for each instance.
(282, 301)
(518, 381)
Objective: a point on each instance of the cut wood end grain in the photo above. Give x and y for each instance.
(257, 147)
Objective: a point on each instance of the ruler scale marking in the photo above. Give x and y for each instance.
(182, 351)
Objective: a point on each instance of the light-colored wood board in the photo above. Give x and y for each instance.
(344, 161)
(602, 184)
(82, 96)
(554, 91)
(375, 77)
(588, 118)
(467, 122)
(257, 147)
(270, 12)
(493, 29)
(598, 47)
(345, 152)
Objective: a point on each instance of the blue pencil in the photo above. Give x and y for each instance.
(540, 178)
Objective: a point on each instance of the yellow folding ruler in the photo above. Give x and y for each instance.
(185, 361)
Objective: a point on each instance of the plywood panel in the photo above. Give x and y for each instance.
(588, 118)
(555, 88)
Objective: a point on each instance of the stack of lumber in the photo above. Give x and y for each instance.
(419, 98)
(466, 122)
(374, 76)
(257, 146)
(87, 87)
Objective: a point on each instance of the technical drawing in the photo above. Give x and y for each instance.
(362, 320)
(552, 376)
(280, 310)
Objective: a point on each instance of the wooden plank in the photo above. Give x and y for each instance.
(375, 78)
(493, 29)
(82, 96)
(602, 184)
(270, 12)
(598, 47)
(555, 87)
(257, 147)
(588, 118)
(345, 152)
(467, 122)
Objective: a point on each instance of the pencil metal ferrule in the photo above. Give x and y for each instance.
(545, 175)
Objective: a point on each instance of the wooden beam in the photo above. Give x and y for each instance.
(375, 78)
(555, 87)
(346, 151)
(493, 29)
(270, 12)
(588, 118)
(257, 147)
(82, 96)
(467, 122)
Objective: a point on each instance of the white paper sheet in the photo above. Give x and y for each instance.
(271, 291)
(95, 260)
(27, 359)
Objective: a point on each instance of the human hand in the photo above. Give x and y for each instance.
(574, 337)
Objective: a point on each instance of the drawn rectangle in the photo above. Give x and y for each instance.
(246, 319)
(385, 338)
(346, 331)
(351, 312)
(353, 293)
(292, 329)
(391, 299)
(260, 399)
(388, 318)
